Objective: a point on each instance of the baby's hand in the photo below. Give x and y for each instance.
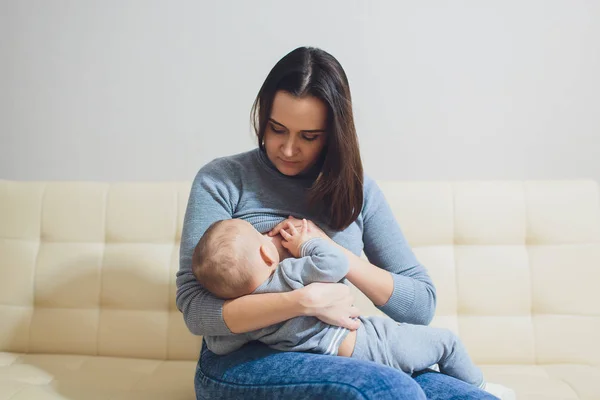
(294, 239)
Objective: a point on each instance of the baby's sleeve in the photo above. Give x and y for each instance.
(320, 262)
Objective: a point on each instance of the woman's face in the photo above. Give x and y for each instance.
(295, 133)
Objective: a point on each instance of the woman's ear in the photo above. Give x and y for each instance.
(267, 256)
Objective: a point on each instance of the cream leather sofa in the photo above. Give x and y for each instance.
(87, 285)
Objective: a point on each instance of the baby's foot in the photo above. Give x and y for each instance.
(501, 392)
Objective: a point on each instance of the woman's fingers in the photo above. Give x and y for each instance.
(332, 304)
(352, 324)
(339, 316)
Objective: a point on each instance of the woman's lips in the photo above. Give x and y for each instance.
(288, 162)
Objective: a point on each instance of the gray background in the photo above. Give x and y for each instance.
(151, 90)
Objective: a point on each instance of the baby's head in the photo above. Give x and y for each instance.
(232, 258)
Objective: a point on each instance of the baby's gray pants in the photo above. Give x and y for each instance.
(413, 348)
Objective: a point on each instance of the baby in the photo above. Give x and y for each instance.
(233, 259)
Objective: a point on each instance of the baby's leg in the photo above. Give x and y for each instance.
(453, 358)
(412, 348)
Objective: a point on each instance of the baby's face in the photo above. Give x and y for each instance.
(276, 243)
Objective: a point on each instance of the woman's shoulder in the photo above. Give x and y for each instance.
(372, 195)
(228, 166)
(245, 158)
(370, 186)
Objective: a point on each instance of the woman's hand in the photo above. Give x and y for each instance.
(331, 303)
(312, 227)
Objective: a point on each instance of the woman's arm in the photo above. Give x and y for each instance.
(256, 311)
(332, 303)
(213, 197)
(413, 296)
(393, 279)
(376, 283)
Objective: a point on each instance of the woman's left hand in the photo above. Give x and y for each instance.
(312, 227)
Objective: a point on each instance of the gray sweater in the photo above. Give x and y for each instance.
(249, 187)
(319, 262)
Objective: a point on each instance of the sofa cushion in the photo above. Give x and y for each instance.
(46, 377)
(43, 376)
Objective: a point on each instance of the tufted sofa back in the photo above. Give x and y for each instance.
(516, 265)
(89, 268)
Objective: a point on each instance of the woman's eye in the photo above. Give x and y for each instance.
(276, 130)
(309, 138)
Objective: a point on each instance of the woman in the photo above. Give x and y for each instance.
(307, 165)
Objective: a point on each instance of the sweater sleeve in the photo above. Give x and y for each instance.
(212, 198)
(413, 299)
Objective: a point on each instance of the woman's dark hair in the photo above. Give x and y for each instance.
(306, 71)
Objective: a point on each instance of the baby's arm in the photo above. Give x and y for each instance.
(320, 262)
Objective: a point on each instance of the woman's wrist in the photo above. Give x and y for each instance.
(353, 260)
(298, 303)
(376, 283)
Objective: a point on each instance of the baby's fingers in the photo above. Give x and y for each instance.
(285, 234)
(291, 228)
(279, 227)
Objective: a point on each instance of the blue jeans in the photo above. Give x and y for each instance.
(258, 372)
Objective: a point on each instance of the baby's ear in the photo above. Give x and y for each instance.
(267, 256)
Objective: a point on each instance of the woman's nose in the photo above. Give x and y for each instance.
(288, 148)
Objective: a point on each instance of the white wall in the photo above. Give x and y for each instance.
(151, 90)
